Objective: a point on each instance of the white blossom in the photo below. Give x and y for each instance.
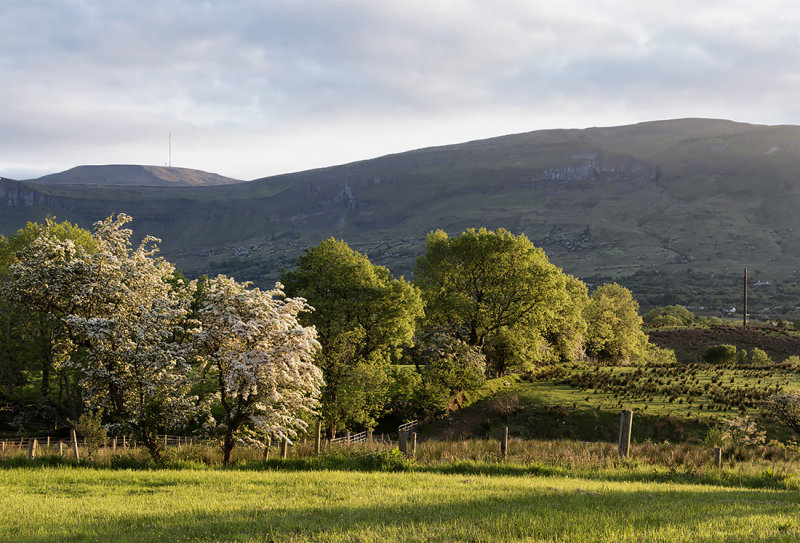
(261, 359)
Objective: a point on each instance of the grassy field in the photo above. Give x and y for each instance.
(80, 504)
(671, 402)
(563, 480)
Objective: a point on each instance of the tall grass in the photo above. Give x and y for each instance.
(771, 466)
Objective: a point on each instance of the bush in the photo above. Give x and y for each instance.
(390, 460)
(785, 408)
(744, 431)
(660, 356)
(671, 315)
(721, 355)
(90, 427)
(759, 357)
(506, 405)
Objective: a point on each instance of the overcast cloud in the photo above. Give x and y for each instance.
(250, 89)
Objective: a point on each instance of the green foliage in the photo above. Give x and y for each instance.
(496, 291)
(31, 378)
(614, 325)
(784, 408)
(759, 357)
(90, 427)
(743, 431)
(364, 317)
(390, 460)
(660, 355)
(405, 385)
(671, 315)
(720, 355)
(448, 367)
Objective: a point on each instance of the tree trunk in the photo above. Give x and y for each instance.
(227, 447)
(150, 440)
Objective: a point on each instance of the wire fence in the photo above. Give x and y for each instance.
(63, 444)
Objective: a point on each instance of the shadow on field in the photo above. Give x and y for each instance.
(568, 512)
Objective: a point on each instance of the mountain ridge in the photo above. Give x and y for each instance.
(134, 175)
(665, 207)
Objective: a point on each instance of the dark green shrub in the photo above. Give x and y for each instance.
(721, 355)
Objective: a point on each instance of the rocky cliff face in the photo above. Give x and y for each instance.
(17, 194)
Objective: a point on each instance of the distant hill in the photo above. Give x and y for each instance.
(134, 175)
(672, 209)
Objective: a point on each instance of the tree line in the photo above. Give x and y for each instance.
(90, 323)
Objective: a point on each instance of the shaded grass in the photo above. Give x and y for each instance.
(673, 402)
(77, 504)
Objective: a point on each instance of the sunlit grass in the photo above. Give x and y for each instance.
(76, 504)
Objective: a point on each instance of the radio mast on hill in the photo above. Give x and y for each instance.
(170, 149)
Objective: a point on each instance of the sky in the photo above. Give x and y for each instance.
(249, 89)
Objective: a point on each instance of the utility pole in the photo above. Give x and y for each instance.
(170, 149)
(744, 317)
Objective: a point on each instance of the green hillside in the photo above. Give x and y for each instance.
(672, 209)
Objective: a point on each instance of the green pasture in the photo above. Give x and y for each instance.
(671, 402)
(79, 504)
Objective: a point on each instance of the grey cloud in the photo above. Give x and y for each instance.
(91, 72)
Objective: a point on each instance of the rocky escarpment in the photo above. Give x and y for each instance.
(17, 194)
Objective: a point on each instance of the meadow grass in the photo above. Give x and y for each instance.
(84, 504)
(674, 402)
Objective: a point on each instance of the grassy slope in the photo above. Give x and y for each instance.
(671, 402)
(70, 504)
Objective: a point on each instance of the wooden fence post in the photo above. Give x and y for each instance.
(504, 444)
(124, 442)
(402, 441)
(165, 441)
(75, 451)
(33, 444)
(114, 444)
(4, 446)
(60, 448)
(48, 443)
(285, 448)
(347, 439)
(413, 445)
(717, 457)
(369, 436)
(318, 438)
(625, 425)
(267, 445)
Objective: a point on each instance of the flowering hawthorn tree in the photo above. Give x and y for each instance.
(121, 320)
(258, 358)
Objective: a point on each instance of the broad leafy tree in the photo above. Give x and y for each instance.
(614, 325)
(364, 317)
(498, 292)
(258, 359)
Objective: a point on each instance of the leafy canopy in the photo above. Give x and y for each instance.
(614, 325)
(497, 291)
(363, 317)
